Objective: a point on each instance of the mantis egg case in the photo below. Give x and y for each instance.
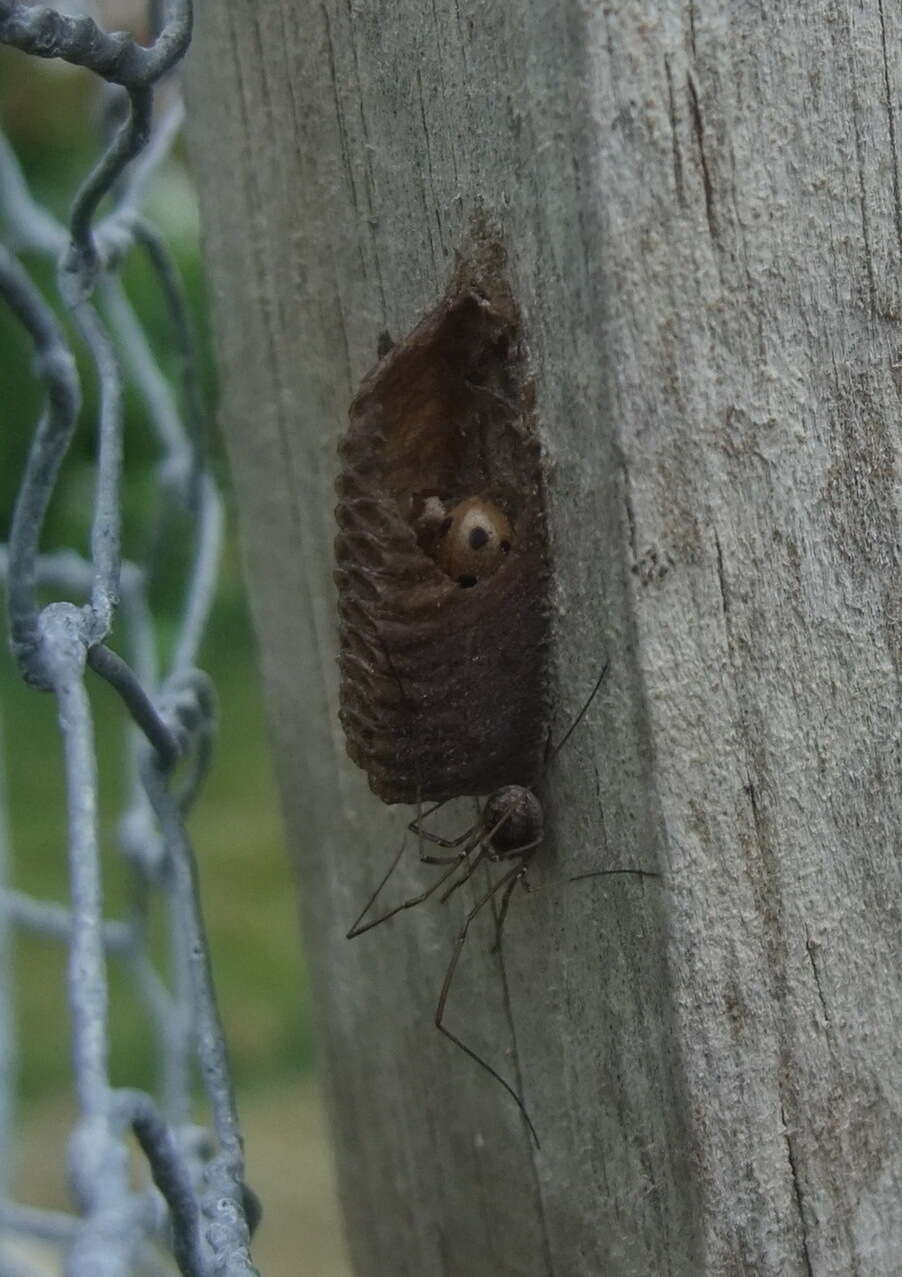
(442, 554)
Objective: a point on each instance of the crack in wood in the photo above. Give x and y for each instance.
(797, 1192)
(722, 580)
(756, 815)
(674, 137)
(339, 111)
(699, 130)
(891, 126)
(810, 947)
(630, 517)
(430, 174)
(863, 206)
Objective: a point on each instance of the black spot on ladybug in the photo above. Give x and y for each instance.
(471, 546)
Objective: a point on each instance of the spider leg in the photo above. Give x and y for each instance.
(373, 898)
(604, 873)
(357, 929)
(459, 941)
(424, 815)
(466, 875)
(505, 902)
(524, 855)
(475, 832)
(486, 841)
(416, 827)
(445, 860)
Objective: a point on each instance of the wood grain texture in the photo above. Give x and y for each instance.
(701, 207)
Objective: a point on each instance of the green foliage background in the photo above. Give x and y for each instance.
(47, 111)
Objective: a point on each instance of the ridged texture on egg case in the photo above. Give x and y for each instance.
(444, 688)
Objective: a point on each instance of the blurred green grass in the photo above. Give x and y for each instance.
(247, 894)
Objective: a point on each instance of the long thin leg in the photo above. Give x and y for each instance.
(506, 898)
(416, 827)
(358, 930)
(551, 754)
(465, 876)
(604, 873)
(445, 860)
(373, 898)
(524, 855)
(443, 996)
(486, 841)
(505, 902)
(596, 873)
(424, 815)
(475, 831)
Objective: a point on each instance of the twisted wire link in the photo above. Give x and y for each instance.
(194, 1204)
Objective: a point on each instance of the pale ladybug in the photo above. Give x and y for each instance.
(473, 541)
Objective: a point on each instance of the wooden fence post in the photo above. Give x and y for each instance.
(701, 210)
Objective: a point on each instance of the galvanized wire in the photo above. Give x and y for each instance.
(194, 1204)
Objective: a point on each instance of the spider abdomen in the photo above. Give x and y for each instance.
(512, 819)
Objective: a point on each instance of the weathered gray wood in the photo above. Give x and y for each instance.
(702, 210)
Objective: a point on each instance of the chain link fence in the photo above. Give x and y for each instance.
(188, 1201)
